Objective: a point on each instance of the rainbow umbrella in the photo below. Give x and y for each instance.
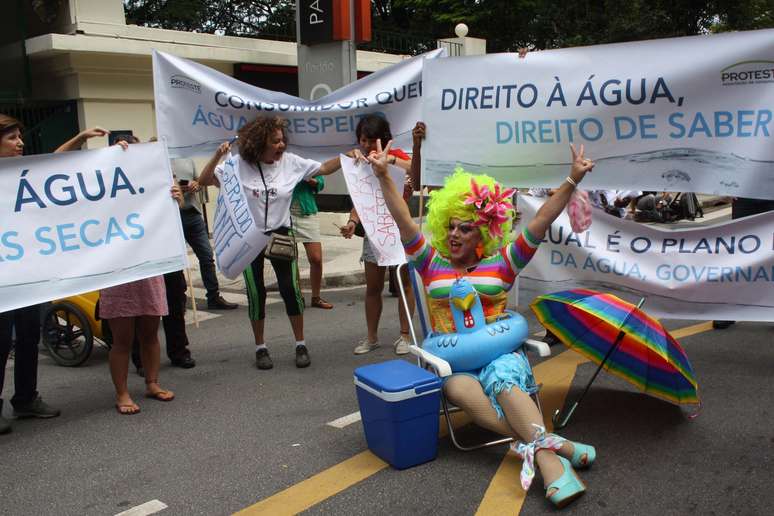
(622, 339)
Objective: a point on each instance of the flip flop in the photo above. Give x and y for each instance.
(132, 409)
(319, 302)
(160, 395)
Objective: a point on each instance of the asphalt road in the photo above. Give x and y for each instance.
(239, 438)
(236, 436)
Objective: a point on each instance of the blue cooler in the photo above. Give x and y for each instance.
(399, 405)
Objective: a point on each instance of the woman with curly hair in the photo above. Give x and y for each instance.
(268, 172)
(470, 219)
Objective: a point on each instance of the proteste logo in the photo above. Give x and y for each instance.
(748, 72)
(181, 81)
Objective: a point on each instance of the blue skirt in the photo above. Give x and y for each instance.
(503, 374)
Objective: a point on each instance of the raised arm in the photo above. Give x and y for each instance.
(392, 197)
(207, 177)
(418, 134)
(561, 196)
(78, 140)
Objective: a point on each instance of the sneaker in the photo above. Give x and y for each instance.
(402, 345)
(263, 360)
(186, 362)
(364, 346)
(218, 303)
(302, 357)
(35, 408)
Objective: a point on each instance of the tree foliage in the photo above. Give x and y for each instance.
(505, 24)
(225, 17)
(542, 24)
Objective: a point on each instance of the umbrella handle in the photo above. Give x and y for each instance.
(562, 422)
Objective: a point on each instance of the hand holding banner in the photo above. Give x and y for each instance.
(683, 114)
(73, 222)
(366, 194)
(197, 107)
(236, 237)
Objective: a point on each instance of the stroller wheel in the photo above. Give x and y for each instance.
(67, 334)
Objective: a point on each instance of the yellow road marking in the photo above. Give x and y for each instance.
(505, 495)
(321, 486)
(692, 330)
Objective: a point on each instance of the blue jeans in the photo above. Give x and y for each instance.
(196, 235)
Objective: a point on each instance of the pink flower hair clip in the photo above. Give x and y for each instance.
(491, 206)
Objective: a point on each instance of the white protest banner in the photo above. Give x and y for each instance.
(197, 108)
(683, 114)
(73, 222)
(235, 234)
(368, 199)
(724, 271)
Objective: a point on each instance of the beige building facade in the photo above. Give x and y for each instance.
(91, 56)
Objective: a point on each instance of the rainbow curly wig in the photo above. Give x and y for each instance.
(449, 203)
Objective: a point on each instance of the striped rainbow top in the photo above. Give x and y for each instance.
(492, 278)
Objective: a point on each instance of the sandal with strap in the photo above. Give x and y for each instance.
(319, 302)
(159, 395)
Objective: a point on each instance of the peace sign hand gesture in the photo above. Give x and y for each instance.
(580, 164)
(378, 159)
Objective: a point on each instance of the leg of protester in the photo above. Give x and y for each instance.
(123, 329)
(256, 309)
(196, 235)
(521, 419)
(374, 276)
(174, 323)
(150, 351)
(306, 229)
(175, 336)
(26, 401)
(6, 329)
(290, 290)
(287, 279)
(314, 255)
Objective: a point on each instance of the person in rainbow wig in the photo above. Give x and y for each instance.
(471, 219)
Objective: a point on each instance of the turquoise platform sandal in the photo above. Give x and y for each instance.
(568, 487)
(583, 455)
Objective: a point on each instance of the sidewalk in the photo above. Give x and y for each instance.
(709, 201)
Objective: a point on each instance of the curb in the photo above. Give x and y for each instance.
(711, 201)
(341, 279)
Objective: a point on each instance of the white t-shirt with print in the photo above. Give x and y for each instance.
(281, 178)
